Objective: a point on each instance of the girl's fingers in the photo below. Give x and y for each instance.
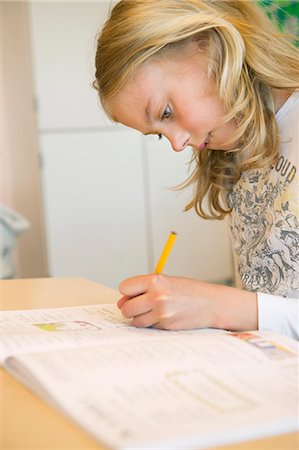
(122, 300)
(136, 306)
(145, 320)
(137, 285)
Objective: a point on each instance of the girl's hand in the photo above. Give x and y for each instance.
(175, 303)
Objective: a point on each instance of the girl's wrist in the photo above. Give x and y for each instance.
(234, 309)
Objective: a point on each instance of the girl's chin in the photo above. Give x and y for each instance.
(224, 147)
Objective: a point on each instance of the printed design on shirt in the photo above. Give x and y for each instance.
(265, 231)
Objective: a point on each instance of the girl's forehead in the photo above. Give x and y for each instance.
(145, 82)
(170, 64)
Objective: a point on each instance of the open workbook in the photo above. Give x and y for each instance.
(152, 389)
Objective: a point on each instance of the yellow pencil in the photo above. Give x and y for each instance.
(164, 255)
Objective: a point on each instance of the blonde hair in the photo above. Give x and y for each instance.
(247, 58)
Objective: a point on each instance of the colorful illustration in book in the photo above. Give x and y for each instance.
(67, 325)
(270, 349)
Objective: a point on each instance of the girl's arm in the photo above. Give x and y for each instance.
(175, 303)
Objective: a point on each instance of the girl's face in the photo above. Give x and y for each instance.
(173, 97)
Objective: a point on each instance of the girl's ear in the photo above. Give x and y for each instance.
(202, 39)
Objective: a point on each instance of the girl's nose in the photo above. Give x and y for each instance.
(179, 140)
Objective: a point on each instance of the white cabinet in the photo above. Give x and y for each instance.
(63, 42)
(95, 208)
(107, 200)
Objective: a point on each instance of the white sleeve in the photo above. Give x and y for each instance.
(278, 314)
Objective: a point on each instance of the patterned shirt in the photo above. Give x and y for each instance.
(265, 218)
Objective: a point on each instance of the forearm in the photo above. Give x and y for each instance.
(234, 309)
(242, 310)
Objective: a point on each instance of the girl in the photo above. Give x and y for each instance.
(216, 76)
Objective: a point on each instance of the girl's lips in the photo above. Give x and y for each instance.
(205, 142)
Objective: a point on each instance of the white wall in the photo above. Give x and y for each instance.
(20, 184)
(107, 200)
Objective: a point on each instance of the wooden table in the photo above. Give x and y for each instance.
(28, 423)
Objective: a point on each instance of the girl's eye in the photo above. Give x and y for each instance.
(166, 113)
(160, 136)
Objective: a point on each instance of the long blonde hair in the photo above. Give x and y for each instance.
(247, 57)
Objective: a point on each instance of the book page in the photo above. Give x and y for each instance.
(27, 331)
(176, 391)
